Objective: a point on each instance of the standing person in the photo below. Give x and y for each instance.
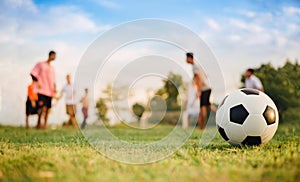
(252, 81)
(203, 90)
(32, 101)
(85, 107)
(44, 73)
(69, 92)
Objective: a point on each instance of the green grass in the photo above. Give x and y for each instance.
(64, 155)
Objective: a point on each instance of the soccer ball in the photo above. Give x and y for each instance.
(247, 117)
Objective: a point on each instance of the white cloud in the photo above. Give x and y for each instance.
(281, 41)
(19, 25)
(234, 38)
(27, 33)
(23, 5)
(108, 4)
(238, 23)
(247, 13)
(70, 19)
(264, 17)
(246, 26)
(212, 24)
(249, 39)
(59, 20)
(291, 11)
(292, 28)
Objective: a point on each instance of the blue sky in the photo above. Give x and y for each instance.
(241, 34)
(116, 11)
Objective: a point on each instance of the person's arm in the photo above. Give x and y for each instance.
(262, 89)
(261, 86)
(61, 94)
(54, 78)
(55, 88)
(35, 74)
(74, 94)
(34, 78)
(198, 84)
(258, 84)
(186, 98)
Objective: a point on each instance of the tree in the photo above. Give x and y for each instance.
(113, 93)
(138, 110)
(169, 92)
(282, 85)
(102, 109)
(109, 95)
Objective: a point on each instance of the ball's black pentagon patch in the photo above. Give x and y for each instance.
(252, 140)
(223, 101)
(249, 91)
(269, 115)
(222, 133)
(238, 114)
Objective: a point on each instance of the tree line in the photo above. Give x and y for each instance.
(282, 84)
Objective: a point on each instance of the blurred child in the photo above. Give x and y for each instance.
(32, 100)
(85, 107)
(69, 92)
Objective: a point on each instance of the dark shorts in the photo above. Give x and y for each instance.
(29, 109)
(44, 101)
(205, 95)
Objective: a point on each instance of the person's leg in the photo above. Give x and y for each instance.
(40, 106)
(27, 113)
(46, 108)
(85, 116)
(73, 120)
(46, 113)
(27, 122)
(70, 123)
(40, 113)
(213, 108)
(204, 105)
(203, 115)
(199, 122)
(73, 116)
(202, 112)
(83, 123)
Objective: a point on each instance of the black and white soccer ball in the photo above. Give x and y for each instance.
(247, 117)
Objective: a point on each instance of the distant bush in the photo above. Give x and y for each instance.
(138, 110)
(102, 109)
(291, 115)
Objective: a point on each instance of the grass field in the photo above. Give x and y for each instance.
(64, 155)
